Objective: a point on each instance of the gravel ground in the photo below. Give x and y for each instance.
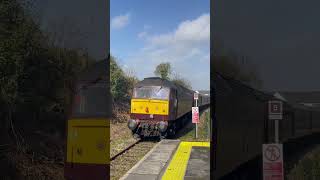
(126, 161)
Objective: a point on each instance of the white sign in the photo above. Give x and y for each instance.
(195, 114)
(272, 162)
(195, 96)
(275, 110)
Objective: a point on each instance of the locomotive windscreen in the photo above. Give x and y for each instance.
(91, 101)
(151, 92)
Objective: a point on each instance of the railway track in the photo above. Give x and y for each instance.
(125, 150)
(124, 160)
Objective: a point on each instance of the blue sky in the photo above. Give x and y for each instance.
(145, 33)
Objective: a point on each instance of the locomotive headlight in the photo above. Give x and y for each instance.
(162, 126)
(132, 124)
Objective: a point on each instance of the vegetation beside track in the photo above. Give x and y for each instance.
(37, 78)
(308, 167)
(120, 137)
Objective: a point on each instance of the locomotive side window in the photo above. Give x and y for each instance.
(152, 92)
(91, 101)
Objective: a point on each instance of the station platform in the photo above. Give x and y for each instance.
(173, 160)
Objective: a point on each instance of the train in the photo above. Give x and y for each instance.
(88, 131)
(159, 107)
(242, 125)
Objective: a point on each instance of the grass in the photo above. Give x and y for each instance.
(308, 168)
(203, 129)
(120, 137)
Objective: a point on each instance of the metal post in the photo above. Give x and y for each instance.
(199, 118)
(276, 129)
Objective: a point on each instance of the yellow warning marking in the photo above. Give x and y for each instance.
(88, 141)
(178, 165)
(154, 106)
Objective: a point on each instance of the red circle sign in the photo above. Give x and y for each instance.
(272, 153)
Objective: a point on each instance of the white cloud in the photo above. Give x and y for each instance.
(187, 48)
(142, 34)
(146, 27)
(190, 31)
(120, 21)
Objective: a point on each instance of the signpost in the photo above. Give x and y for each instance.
(272, 153)
(195, 115)
(195, 96)
(275, 113)
(195, 112)
(272, 162)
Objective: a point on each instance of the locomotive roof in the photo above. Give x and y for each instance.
(157, 81)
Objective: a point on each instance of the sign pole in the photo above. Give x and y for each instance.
(195, 113)
(196, 123)
(276, 129)
(273, 153)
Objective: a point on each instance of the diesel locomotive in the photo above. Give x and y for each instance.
(159, 107)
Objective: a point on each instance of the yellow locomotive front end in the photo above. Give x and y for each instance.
(87, 152)
(150, 110)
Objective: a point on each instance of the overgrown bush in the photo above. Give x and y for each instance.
(121, 84)
(36, 75)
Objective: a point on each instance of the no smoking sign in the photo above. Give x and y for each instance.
(272, 162)
(195, 114)
(272, 153)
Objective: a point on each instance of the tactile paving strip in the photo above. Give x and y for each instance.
(178, 165)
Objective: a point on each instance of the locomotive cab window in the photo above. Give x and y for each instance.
(90, 101)
(151, 92)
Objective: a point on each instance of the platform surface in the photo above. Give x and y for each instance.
(173, 160)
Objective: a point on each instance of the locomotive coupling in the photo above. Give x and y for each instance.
(132, 124)
(163, 126)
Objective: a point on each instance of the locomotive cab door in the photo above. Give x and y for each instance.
(174, 104)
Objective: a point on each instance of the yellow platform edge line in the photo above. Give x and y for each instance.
(178, 165)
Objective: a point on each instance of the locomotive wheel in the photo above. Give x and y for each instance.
(137, 136)
(172, 131)
(162, 137)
